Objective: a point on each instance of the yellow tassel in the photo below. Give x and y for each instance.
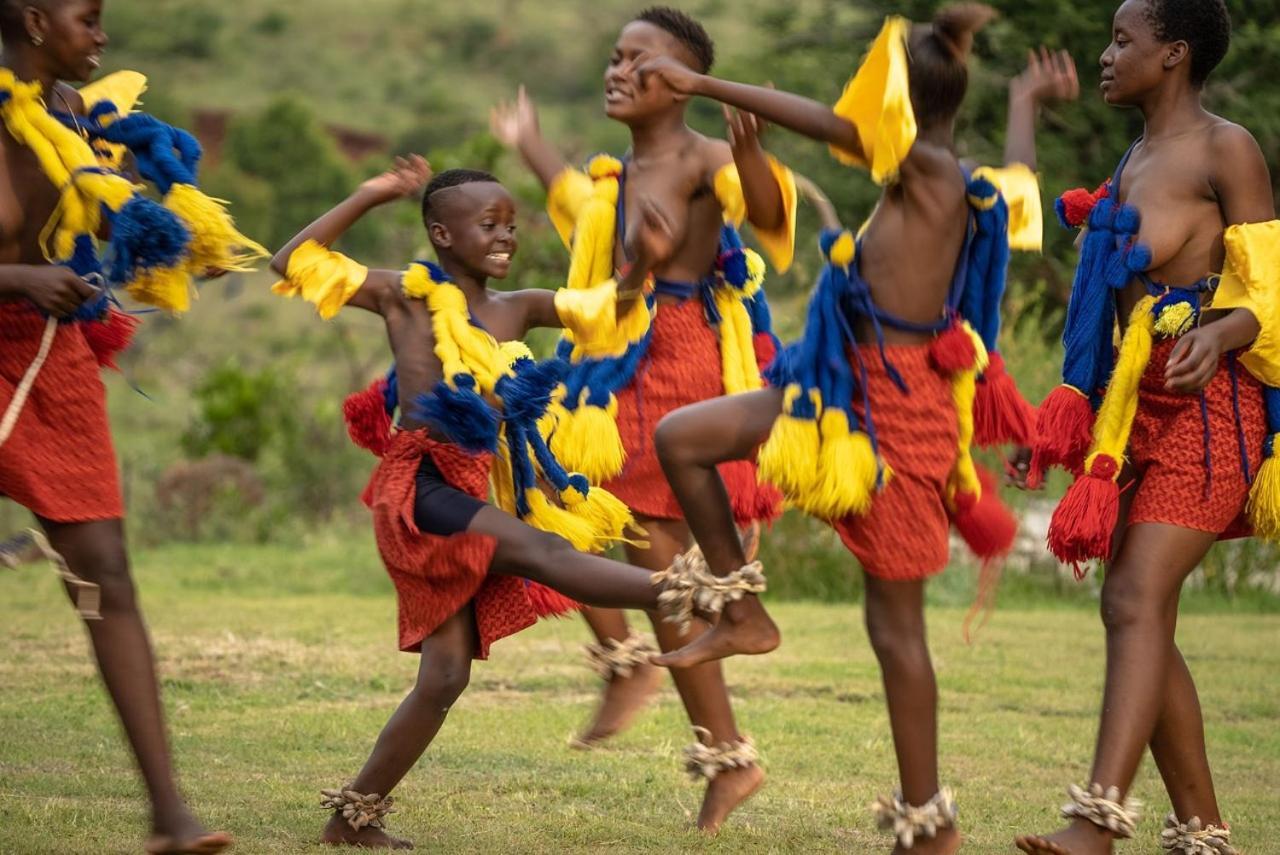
(1115, 417)
(586, 440)
(1175, 320)
(501, 483)
(549, 517)
(216, 244)
(1264, 499)
(608, 516)
(843, 250)
(847, 470)
(167, 288)
(964, 389)
(789, 457)
(738, 364)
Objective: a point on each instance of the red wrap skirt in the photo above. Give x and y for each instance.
(682, 367)
(59, 461)
(905, 536)
(1175, 483)
(435, 576)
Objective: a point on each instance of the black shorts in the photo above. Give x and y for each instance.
(438, 507)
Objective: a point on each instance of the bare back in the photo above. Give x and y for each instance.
(913, 240)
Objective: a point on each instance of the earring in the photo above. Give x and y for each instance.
(37, 40)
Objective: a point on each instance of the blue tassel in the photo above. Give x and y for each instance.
(461, 414)
(391, 392)
(145, 235)
(527, 394)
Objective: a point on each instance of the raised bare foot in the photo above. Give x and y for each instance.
(1080, 838)
(945, 842)
(339, 833)
(179, 833)
(725, 792)
(740, 631)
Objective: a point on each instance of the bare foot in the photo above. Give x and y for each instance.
(339, 833)
(744, 628)
(945, 842)
(624, 697)
(200, 843)
(1080, 838)
(728, 790)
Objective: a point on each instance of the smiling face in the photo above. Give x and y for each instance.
(624, 98)
(1135, 62)
(72, 36)
(475, 224)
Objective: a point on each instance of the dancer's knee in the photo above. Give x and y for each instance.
(443, 683)
(897, 641)
(1130, 599)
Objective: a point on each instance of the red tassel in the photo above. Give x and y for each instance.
(1063, 433)
(110, 336)
(1079, 203)
(368, 422)
(547, 602)
(1085, 520)
(952, 351)
(1000, 413)
(985, 524)
(766, 349)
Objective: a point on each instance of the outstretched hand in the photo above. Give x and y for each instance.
(406, 177)
(510, 122)
(678, 77)
(1050, 76)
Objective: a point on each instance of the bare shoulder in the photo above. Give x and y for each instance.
(714, 153)
(1229, 142)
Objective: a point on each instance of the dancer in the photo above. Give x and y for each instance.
(1166, 436)
(709, 336)
(872, 415)
(471, 400)
(58, 324)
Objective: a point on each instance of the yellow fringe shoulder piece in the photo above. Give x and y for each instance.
(877, 100)
(1020, 188)
(566, 197)
(1251, 280)
(123, 89)
(322, 277)
(592, 322)
(780, 243)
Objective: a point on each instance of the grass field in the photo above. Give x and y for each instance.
(279, 668)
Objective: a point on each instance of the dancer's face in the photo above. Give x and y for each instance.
(73, 37)
(477, 226)
(1135, 62)
(625, 99)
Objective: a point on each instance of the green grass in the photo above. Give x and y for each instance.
(279, 668)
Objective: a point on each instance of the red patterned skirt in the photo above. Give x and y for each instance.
(905, 536)
(435, 576)
(1167, 449)
(59, 461)
(682, 367)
